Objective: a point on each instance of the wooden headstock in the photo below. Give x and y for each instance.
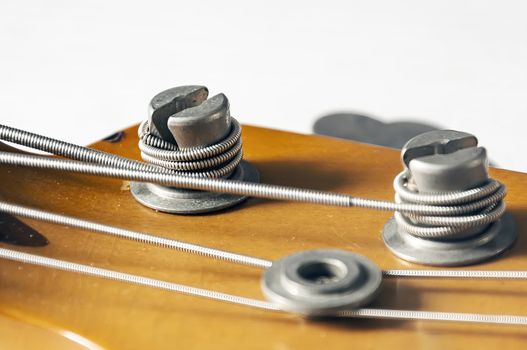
(44, 308)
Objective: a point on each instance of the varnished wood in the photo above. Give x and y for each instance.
(121, 316)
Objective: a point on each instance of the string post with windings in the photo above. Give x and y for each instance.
(189, 134)
(446, 171)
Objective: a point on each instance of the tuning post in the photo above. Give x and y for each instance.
(446, 169)
(169, 103)
(188, 134)
(447, 210)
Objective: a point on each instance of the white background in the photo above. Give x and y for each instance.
(79, 70)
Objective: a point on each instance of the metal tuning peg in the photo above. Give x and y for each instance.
(170, 102)
(447, 172)
(190, 135)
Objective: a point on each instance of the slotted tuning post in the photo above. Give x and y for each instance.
(189, 134)
(466, 222)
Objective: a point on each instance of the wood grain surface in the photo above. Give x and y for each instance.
(113, 315)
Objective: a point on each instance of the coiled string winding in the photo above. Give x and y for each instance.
(215, 161)
(454, 213)
(443, 215)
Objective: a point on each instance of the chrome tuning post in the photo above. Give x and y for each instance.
(188, 134)
(467, 223)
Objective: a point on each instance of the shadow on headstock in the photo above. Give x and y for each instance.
(14, 231)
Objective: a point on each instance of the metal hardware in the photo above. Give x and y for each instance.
(445, 168)
(202, 125)
(142, 237)
(436, 142)
(444, 161)
(323, 275)
(416, 206)
(494, 241)
(93, 162)
(182, 201)
(321, 282)
(253, 303)
(169, 102)
(433, 217)
(188, 134)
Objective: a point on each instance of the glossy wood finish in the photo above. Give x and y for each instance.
(120, 316)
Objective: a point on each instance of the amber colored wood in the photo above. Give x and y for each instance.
(121, 316)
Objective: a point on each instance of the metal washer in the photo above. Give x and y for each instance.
(183, 201)
(321, 282)
(496, 239)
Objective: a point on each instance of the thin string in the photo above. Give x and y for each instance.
(42, 215)
(134, 279)
(146, 238)
(114, 166)
(254, 303)
(474, 274)
(434, 316)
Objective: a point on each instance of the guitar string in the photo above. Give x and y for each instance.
(434, 316)
(448, 223)
(115, 166)
(142, 237)
(490, 207)
(100, 157)
(258, 190)
(131, 278)
(260, 304)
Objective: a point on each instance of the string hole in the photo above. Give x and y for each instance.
(322, 272)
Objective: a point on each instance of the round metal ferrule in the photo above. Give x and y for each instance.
(184, 201)
(322, 282)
